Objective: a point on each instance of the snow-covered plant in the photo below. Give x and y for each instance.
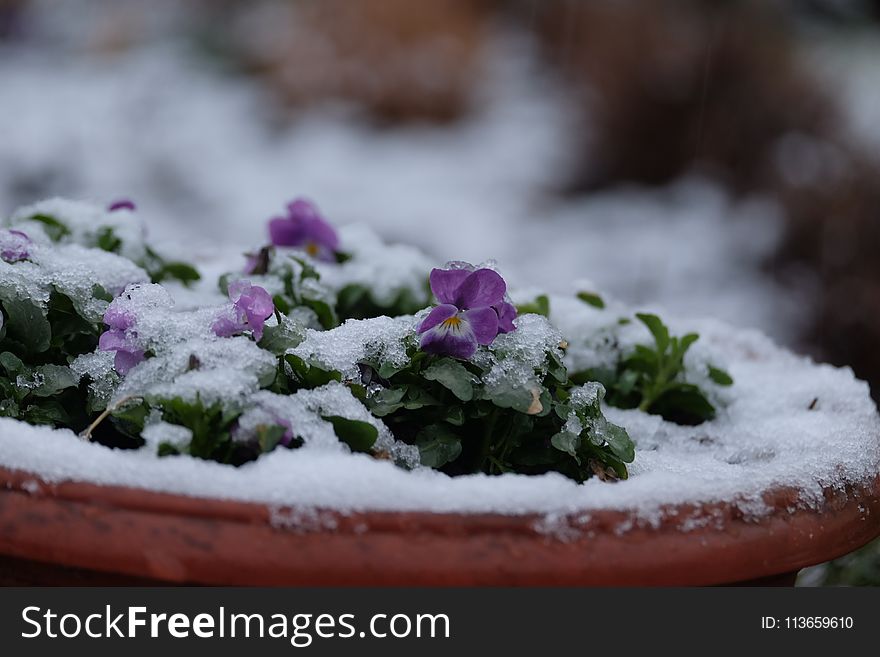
(53, 298)
(326, 340)
(116, 229)
(471, 398)
(307, 265)
(653, 379)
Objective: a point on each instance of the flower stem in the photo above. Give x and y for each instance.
(87, 433)
(486, 444)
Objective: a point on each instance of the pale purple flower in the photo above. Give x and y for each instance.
(121, 338)
(251, 307)
(14, 245)
(304, 227)
(122, 204)
(472, 312)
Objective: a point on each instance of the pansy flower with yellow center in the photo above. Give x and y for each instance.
(472, 312)
(304, 227)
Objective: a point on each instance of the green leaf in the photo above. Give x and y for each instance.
(453, 376)
(26, 322)
(360, 436)
(53, 379)
(179, 271)
(684, 404)
(47, 411)
(325, 312)
(437, 446)
(417, 398)
(455, 416)
(12, 364)
(540, 306)
(310, 376)
(619, 441)
(107, 240)
(99, 292)
(657, 328)
(720, 377)
(55, 230)
(568, 442)
(386, 401)
(592, 299)
(517, 397)
(268, 436)
(281, 337)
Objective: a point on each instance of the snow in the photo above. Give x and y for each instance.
(386, 269)
(85, 221)
(767, 437)
(383, 339)
(73, 270)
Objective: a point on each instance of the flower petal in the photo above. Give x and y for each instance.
(284, 232)
(483, 323)
(259, 302)
(113, 340)
(121, 204)
(437, 315)
(506, 315)
(125, 360)
(118, 319)
(481, 288)
(318, 231)
(444, 342)
(225, 327)
(445, 283)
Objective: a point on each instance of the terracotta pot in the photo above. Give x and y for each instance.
(85, 533)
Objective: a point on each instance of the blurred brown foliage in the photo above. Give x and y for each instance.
(718, 88)
(399, 60)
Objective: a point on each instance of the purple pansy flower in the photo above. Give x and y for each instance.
(472, 312)
(304, 227)
(120, 337)
(122, 204)
(14, 245)
(251, 307)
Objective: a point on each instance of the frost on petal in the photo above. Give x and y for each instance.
(14, 245)
(112, 340)
(225, 327)
(483, 287)
(437, 315)
(484, 324)
(446, 282)
(118, 319)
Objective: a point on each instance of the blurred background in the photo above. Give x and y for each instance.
(710, 157)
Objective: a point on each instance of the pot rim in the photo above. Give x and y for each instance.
(690, 543)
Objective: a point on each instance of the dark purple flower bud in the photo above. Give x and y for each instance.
(14, 245)
(251, 307)
(305, 228)
(472, 312)
(122, 204)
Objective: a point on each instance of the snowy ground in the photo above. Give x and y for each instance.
(206, 163)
